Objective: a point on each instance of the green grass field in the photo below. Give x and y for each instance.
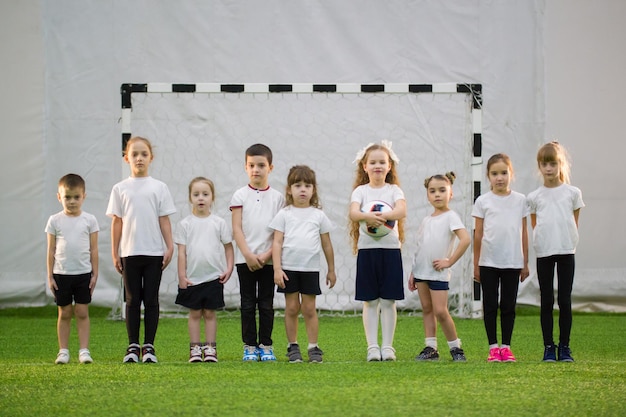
(344, 385)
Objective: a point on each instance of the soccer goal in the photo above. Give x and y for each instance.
(204, 129)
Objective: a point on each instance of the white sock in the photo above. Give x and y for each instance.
(454, 343)
(370, 321)
(506, 346)
(312, 345)
(431, 342)
(388, 319)
(494, 346)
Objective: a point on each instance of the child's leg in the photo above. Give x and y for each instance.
(193, 324)
(440, 310)
(565, 266)
(132, 275)
(509, 284)
(82, 324)
(428, 315)
(292, 309)
(489, 282)
(370, 321)
(309, 312)
(151, 283)
(210, 326)
(545, 276)
(266, 304)
(64, 324)
(388, 319)
(248, 297)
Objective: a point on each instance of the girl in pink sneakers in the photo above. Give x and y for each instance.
(500, 253)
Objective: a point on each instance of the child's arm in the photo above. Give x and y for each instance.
(183, 281)
(116, 237)
(464, 242)
(253, 262)
(576, 213)
(166, 231)
(533, 220)
(327, 247)
(93, 257)
(525, 271)
(478, 241)
(230, 263)
(279, 275)
(52, 245)
(372, 219)
(398, 212)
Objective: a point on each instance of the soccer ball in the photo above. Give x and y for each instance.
(383, 230)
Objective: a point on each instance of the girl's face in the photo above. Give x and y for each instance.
(139, 158)
(377, 166)
(301, 192)
(500, 178)
(551, 172)
(439, 194)
(201, 198)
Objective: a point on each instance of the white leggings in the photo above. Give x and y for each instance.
(388, 317)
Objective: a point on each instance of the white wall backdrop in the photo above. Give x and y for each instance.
(547, 70)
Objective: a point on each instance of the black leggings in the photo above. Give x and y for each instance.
(142, 279)
(507, 280)
(565, 277)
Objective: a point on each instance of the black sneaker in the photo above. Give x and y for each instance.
(458, 355)
(565, 354)
(147, 354)
(315, 355)
(132, 353)
(549, 353)
(428, 354)
(293, 353)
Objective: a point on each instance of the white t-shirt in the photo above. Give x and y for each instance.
(501, 246)
(204, 239)
(555, 232)
(139, 202)
(302, 244)
(435, 240)
(72, 233)
(389, 193)
(258, 209)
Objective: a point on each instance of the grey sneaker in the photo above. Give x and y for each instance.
(315, 355)
(132, 353)
(458, 355)
(293, 353)
(428, 354)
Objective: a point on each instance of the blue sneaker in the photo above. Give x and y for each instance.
(565, 354)
(549, 353)
(266, 353)
(250, 353)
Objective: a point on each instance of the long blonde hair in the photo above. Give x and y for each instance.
(555, 152)
(362, 178)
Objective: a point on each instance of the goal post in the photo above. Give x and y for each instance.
(204, 129)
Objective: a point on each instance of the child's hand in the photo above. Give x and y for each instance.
(280, 277)
(254, 262)
(477, 273)
(441, 264)
(52, 284)
(331, 279)
(92, 283)
(374, 219)
(524, 274)
(412, 284)
(167, 258)
(117, 263)
(184, 283)
(223, 279)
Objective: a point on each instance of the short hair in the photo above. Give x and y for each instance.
(258, 149)
(72, 181)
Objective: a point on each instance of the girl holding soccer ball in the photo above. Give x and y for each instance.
(379, 276)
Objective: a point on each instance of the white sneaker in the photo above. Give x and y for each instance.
(84, 356)
(147, 354)
(388, 353)
(63, 357)
(373, 353)
(210, 353)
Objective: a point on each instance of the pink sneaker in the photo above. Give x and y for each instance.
(495, 355)
(507, 355)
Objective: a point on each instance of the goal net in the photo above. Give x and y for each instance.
(204, 129)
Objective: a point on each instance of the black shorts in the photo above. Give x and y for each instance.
(303, 282)
(435, 285)
(72, 288)
(204, 296)
(379, 274)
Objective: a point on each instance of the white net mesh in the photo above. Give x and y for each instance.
(207, 133)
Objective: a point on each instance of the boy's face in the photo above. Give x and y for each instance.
(258, 169)
(71, 199)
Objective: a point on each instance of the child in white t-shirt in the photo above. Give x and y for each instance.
(301, 230)
(205, 263)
